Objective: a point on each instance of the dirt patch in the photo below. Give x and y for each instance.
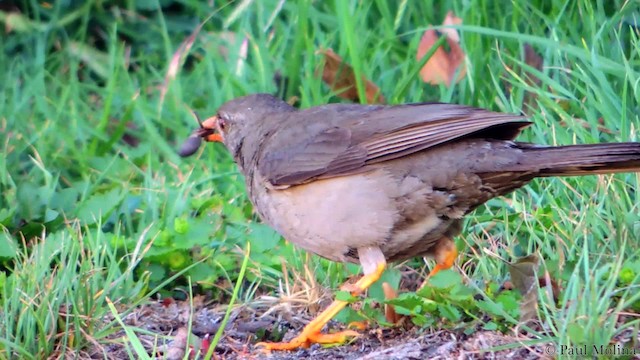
(414, 344)
(247, 325)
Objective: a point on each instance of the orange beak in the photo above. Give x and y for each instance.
(209, 126)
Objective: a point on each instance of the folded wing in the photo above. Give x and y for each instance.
(349, 138)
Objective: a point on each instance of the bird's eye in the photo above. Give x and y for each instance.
(222, 122)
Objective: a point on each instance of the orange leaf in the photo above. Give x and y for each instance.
(442, 66)
(389, 312)
(451, 33)
(342, 80)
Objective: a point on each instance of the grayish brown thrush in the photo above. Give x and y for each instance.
(372, 184)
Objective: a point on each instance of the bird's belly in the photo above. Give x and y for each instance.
(333, 217)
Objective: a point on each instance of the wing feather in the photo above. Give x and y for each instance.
(347, 138)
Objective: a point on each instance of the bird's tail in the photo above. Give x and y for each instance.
(575, 160)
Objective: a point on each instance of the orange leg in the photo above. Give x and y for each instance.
(445, 256)
(311, 333)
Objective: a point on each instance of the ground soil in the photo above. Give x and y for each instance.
(247, 325)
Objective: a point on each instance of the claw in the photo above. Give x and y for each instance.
(311, 333)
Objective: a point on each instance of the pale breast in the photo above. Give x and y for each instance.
(333, 217)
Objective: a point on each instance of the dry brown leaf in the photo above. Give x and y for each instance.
(534, 60)
(341, 79)
(442, 66)
(524, 278)
(551, 285)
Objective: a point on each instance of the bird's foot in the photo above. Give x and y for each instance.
(445, 254)
(311, 333)
(307, 338)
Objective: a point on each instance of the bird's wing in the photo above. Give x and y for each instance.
(337, 140)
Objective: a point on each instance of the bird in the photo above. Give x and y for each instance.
(374, 184)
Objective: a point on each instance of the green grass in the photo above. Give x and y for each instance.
(88, 217)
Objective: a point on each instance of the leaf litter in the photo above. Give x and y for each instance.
(341, 78)
(443, 65)
(169, 321)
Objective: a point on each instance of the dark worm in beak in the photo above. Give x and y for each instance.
(206, 131)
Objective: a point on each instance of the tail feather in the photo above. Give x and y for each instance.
(576, 160)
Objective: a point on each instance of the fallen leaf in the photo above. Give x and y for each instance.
(342, 80)
(523, 272)
(441, 68)
(449, 20)
(204, 346)
(524, 278)
(167, 301)
(389, 312)
(534, 60)
(551, 285)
